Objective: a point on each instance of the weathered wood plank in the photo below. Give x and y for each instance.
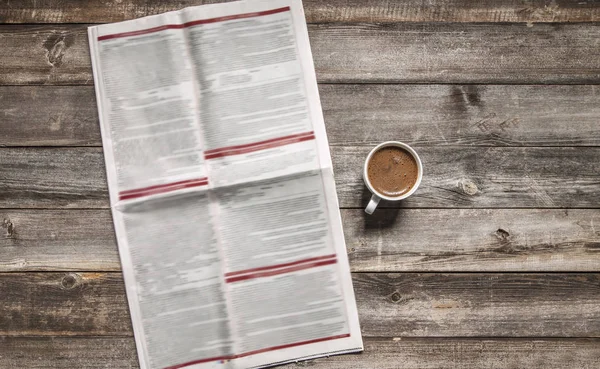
(454, 177)
(494, 115)
(363, 114)
(49, 116)
(65, 240)
(68, 352)
(52, 178)
(418, 240)
(401, 52)
(450, 11)
(389, 305)
(448, 353)
(380, 353)
(473, 240)
(44, 55)
(508, 305)
(317, 11)
(67, 304)
(457, 53)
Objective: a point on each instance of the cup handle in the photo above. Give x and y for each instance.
(372, 204)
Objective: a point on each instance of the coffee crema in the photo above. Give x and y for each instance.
(392, 171)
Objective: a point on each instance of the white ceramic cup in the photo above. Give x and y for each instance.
(376, 197)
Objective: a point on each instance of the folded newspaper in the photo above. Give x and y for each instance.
(221, 187)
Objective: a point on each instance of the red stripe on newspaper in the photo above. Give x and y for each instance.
(193, 23)
(237, 16)
(280, 271)
(167, 187)
(260, 351)
(262, 145)
(281, 347)
(277, 266)
(216, 358)
(141, 32)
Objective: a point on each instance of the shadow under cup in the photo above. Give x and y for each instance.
(377, 195)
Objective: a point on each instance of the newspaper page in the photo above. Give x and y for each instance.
(221, 187)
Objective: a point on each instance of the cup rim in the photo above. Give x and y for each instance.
(414, 155)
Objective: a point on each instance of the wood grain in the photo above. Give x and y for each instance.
(383, 353)
(507, 305)
(357, 114)
(417, 240)
(64, 240)
(496, 182)
(400, 52)
(441, 353)
(44, 55)
(49, 116)
(473, 240)
(66, 304)
(68, 352)
(487, 115)
(52, 178)
(454, 177)
(457, 53)
(389, 305)
(317, 11)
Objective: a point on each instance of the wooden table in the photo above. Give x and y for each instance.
(494, 263)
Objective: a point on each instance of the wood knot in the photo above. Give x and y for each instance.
(502, 234)
(56, 45)
(70, 281)
(469, 187)
(396, 297)
(10, 228)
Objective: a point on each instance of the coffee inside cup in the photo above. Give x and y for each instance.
(392, 171)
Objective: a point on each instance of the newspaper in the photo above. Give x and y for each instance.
(222, 189)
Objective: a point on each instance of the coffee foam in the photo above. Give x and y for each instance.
(392, 171)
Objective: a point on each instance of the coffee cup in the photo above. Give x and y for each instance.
(393, 172)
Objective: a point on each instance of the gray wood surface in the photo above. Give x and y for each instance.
(389, 305)
(473, 240)
(39, 177)
(381, 353)
(509, 134)
(455, 177)
(317, 11)
(487, 115)
(65, 240)
(475, 304)
(359, 114)
(49, 116)
(418, 240)
(457, 53)
(68, 304)
(398, 52)
(71, 352)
